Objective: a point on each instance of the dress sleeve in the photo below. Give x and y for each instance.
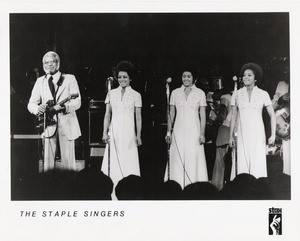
(138, 100)
(172, 99)
(73, 104)
(267, 100)
(107, 99)
(203, 99)
(35, 99)
(233, 97)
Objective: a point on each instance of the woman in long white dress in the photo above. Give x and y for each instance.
(122, 127)
(247, 104)
(187, 113)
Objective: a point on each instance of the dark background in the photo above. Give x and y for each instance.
(90, 46)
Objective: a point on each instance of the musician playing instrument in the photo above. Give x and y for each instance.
(222, 141)
(49, 90)
(281, 102)
(248, 103)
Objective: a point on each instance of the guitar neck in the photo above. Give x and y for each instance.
(64, 100)
(73, 96)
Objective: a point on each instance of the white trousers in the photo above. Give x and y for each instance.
(67, 150)
(286, 157)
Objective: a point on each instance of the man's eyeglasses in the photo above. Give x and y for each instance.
(50, 62)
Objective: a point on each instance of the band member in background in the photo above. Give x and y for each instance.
(222, 141)
(187, 157)
(281, 104)
(122, 117)
(47, 93)
(248, 103)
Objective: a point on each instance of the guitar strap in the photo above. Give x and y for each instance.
(59, 83)
(57, 151)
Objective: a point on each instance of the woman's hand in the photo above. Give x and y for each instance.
(202, 139)
(105, 138)
(271, 140)
(168, 138)
(138, 141)
(231, 142)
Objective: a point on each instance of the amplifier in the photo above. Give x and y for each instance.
(96, 116)
(26, 136)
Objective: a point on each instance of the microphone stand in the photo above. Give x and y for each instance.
(44, 114)
(42, 135)
(108, 144)
(168, 116)
(235, 131)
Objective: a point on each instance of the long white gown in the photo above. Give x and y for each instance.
(251, 138)
(187, 157)
(124, 160)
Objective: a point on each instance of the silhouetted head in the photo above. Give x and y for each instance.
(280, 185)
(129, 188)
(243, 187)
(171, 190)
(200, 191)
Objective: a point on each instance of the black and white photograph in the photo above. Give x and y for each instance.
(139, 117)
(149, 104)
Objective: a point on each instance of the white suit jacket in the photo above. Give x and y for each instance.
(41, 94)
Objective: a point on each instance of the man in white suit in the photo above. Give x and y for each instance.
(66, 130)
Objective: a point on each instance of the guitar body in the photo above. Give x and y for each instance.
(46, 126)
(49, 131)
(283, 123)
(45, 121)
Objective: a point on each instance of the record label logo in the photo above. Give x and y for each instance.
(275, 221)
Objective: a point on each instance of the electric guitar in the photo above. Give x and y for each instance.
(47, 122)
(282, 115)
(283, 123)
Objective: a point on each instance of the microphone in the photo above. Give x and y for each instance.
(235, 79)
(109, 80)
(47, 73)
(241, 82)
(168, 80)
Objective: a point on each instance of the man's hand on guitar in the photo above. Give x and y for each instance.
(41, 109)
(58, 108)
(284, 99)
